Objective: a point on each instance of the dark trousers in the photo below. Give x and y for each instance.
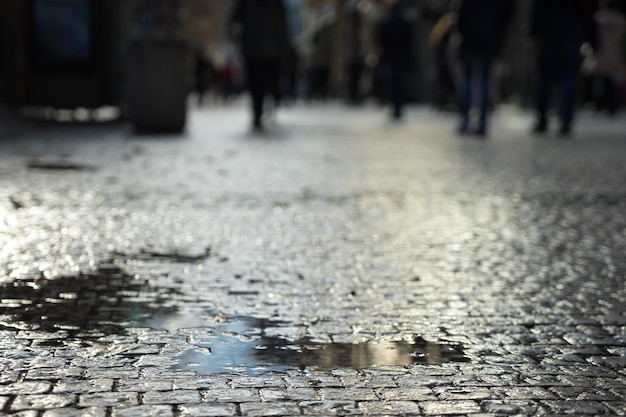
(262, 76)
(607, 93)
(561, 67)
(396, 83)
(475, 68)
(446, 86)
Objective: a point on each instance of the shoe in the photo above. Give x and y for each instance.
(481, 132)
(463, 129)
(540, 128)
(257, 126)
(565, 131)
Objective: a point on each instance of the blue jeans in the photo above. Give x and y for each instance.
(475, 68)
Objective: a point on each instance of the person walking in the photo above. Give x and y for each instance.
(609, 59)
(557, 31)
(440, 40)
(260, 26)
(321, 57)
(203, 75)
(482, 25)
(395, 40)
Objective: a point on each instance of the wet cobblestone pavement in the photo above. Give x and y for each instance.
(335, 265)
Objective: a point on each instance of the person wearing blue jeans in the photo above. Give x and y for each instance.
(475, 68)
(482, 25)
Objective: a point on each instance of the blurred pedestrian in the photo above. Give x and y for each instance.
(609, 59)
(322, 52)
(557, 31)
(228, 68)
(260, 26)
(355, 73)
(482, 25)
(395, 40)
(289, 79)
(203, 75)
(440, 41)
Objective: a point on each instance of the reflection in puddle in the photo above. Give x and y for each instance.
(242, 346)
(175, 321)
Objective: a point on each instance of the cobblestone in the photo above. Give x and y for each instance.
(357, 394)
(295, 394)
(515, 407)
(155, 410)
(144, 385)
(88, 386)
(208, 410)
(42, 401)
(107, 399)
(25, 388)
(271, 409)
(450, 407)
(171, 397)
(53, 373)
(406, 394)
(390, 407)
(232, 395)
(29, 413)
(335, 265)
(74, 412)
(330, 408)
(589, 408)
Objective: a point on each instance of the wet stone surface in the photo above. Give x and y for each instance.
(84, 307)
(336, 265)
(256, 354)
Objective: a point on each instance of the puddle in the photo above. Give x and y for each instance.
(243, 346)
(84, 306)
(61, 165)
(147, 255)
(108, 301)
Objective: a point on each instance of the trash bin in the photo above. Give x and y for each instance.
(157, 85)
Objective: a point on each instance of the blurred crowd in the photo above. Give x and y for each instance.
(576, 51)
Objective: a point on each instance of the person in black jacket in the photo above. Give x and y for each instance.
(557, 31)
(441, 40)
(395, 40)
(260, 26)
(482, 25)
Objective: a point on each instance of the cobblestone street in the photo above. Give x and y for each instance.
(337, 264)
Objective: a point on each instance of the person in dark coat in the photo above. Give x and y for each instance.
(203, 75)
(440, 41)
(482, 25)
(395, 40)
(557, 31)
(261, 28)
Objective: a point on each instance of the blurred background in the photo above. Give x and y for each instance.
(80, 56)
